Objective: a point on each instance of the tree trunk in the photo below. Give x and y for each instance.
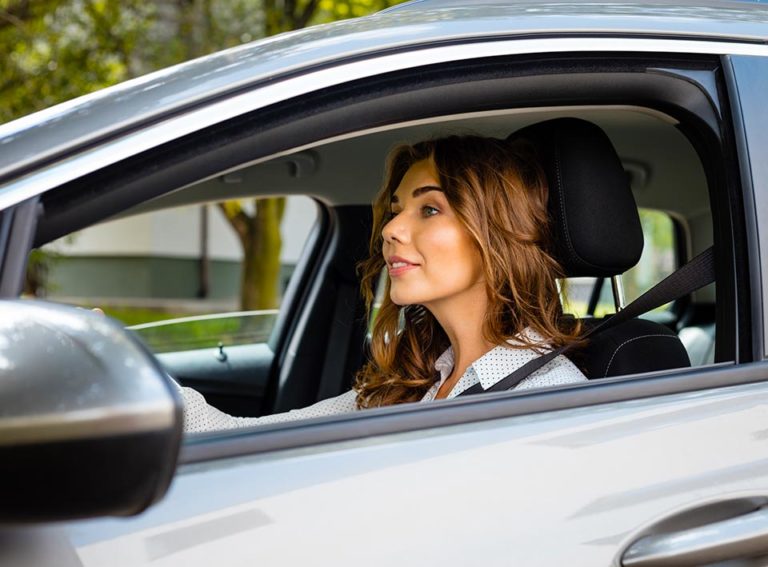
(259, 288)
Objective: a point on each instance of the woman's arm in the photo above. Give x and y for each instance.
(199, 416)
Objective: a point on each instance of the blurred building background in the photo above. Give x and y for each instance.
(181, 260)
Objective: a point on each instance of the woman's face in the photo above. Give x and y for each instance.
(430, 255)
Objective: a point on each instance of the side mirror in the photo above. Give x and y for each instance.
(90, 424)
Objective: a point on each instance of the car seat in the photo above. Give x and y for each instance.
(596, 232)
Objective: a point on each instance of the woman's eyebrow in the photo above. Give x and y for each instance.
(425, 189)
(417, 192)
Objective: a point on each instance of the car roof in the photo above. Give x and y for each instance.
(421, 5)
(51, 133)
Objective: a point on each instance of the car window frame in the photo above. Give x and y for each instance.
(745, 75)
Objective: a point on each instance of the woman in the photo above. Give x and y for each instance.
(461, 226)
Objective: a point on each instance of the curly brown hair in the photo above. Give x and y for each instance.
(498, 191)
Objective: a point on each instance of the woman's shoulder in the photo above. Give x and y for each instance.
(558, 372)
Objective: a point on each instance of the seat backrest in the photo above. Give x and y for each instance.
(597, 233)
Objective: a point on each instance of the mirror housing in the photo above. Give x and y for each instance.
(90, 424)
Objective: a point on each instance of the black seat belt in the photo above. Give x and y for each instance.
(697, 273)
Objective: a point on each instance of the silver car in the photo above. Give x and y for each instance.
(667, 467)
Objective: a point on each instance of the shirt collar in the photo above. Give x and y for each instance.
(490, 368)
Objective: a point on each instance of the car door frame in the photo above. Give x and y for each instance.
(745, 76)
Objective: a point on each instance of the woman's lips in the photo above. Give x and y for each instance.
(394, 272)
(399, 268)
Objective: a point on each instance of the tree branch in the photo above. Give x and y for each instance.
(272, 18)
(10, 19)
(289, 14)
(306, 15)
(238, 219)
(15, 15)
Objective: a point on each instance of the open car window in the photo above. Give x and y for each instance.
(317, 344)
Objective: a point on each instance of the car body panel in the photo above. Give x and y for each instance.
(334, 503)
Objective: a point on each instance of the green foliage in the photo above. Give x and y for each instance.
(56, 50)
(658, 259)
(36, 282)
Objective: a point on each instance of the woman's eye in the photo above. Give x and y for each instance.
(428, 211)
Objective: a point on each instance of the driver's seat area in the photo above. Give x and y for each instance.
(597, 233)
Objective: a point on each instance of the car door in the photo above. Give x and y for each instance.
(573, 486)
(568, 476)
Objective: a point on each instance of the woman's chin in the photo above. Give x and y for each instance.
(402, 299)
(406, 299)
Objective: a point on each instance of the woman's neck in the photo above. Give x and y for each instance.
(462, 320)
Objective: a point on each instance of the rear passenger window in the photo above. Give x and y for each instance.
(176, 276)
(584, 297)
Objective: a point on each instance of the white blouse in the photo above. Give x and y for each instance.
(488, 369)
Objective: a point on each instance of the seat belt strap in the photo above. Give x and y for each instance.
(697, 273)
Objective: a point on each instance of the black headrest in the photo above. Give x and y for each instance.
(595, 224)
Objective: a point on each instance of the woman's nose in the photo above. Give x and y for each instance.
(396, 230)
